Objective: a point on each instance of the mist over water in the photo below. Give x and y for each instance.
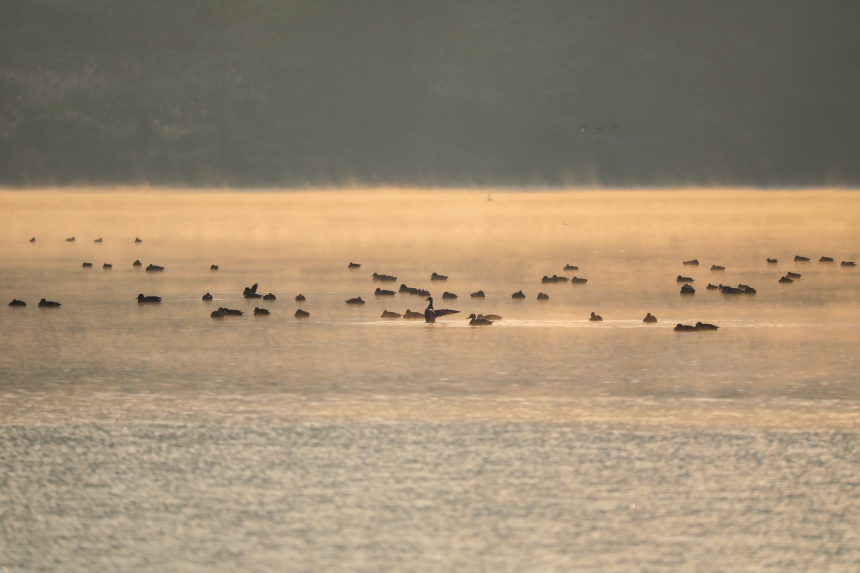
(140, 436)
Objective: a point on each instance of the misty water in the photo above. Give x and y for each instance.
(153, 437)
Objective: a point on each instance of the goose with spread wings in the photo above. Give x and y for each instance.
(431, 313)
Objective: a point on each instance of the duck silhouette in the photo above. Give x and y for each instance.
(772, 261)
(87, 265)
(380, 292)
(141, 299)
(792, 275)
(848, 264)
(799, 259)
(251, 292)
(825, 260)
(785, 280)
(383, 278)
(70, 240)
(717, 268)
(16, 302)
(137, 264)
(207, 297)
(681, 279)
(578, 281)
(688, 289)
(692, 262)
(389, 314)
(684, 328)
(213, 268)
(478, 294)
(302, 314)
(438, 277)
(230, 312)
(542, 296)
(475, 321)
(300, 297)
(99, 240)
(448, 295)
(107, 266)
(154, 268)
(270, 296)
(217, 314)
(352, 265)
(356, 300)
(49, 304)
(518, 294)
(260, 311)
(430, 313)
(137, 240)
(33, 240)
(410, 315)
(649, 318)
(569, 267)
(705, 326)
(595, 318)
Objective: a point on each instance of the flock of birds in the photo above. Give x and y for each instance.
(430, 314)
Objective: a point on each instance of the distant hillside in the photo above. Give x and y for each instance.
(472, 92)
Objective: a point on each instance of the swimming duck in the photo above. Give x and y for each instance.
(542, 296)
(772, 261)
(570, 267)
(107, 266)
(825, 260)
(302, 314)
(213, 267)
(137, 264)
(705, 326)
(422, 292)
(749, 290)
(688, 289)
(48, 304)
(230, 312)
(475, 321)
(578, 281)
(147, 299)
(354, 265)
(493, 317)
(553, 279)
(251, 292)
(217, 314)
(87, 265)
(404, 288)
(595, 318)
(270, 296)
(800, 259)
(70, 240)
(356, 300)
(785, 280)
(479, 294)
(154, 268)
(384, 278)
(137, 240)
(438, 277)
(518, 294)
(848, 264)
(300, 297)
(684, 328)
(712, 287)
(99, 240)
(649, 318)
(717, 268)
(681, 279)
(380, 292)
(792, 275)
(409, 315)
(389, 314)
(33, 240)
(260, 311)
(693, 262)
(207, 297)
(730, 290)
(430, 313)
(16, 302)
(447, 294)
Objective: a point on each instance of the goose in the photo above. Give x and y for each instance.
(825, 260)
(352, 265)
(356, 300)
(154, 268)
(207, 297)
(518, 294)
(300, 297)
(542, 296)
(569, 267)
(578, 281)
(48, 304)
(799, 259)
(430, 313)
(137, 240)
(438, 277)
(99, 240)
(712, 287)
(681, 279)
(649, 318)
(475, 321)
(389, 314)
(213, 267)
(705, 326)
(270, 296)
(848, 264)
(230, 312)
(380, 292)
(684, 328)
(260, 311)
(141, 299)
(595, 318)
(137, 264)
(384, 278)
(16, 302)
(479, 294)
(251, 292)
(302, 314)
(409, 315)
(107, 266)
(688, 289)
(493, 317)
(449, 295)
(785, 280)
(792, 275)
(717, 268)
(87, 265)
(772, 261)
(33, 240)
(70, 240)
(693, 262)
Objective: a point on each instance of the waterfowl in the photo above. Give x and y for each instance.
(749, 290)
(542, 296)
(479, 294)
(251, 292)
(107, 266)
(825, 260)
(16, 302)
(693, 262)
(684, 328)
(430, 313)
(213, 267)
(595, 318)
(475, 321)
(553, 279)
(33, 240)
(785, 280)
(404, 288)
(717, 268)
(848, 264)
(712, 287)
(447, 294)
(154, 268)
(230, 312)
(99, 240)
(356, 300)
(792, 275)
(730, 290)
(688, 289)
(137, 264)
(772, 261)
(300, 297)
(421, 292)
(681, 279)
(384, 278)
(389, 314)
(518, 294)
(409, 315)
(270, 296)
(799, 259)
(137, 240)
(493, 317)
(217, 314)
(48, 304)
(578, 281)
(87, 265)
(207, 297)
(352, 265)
(438, 277)
(569, 267)
(649, 318)
(141, 299)
(260, 311)
(70, 240)
(705, 326)
(380, 292)
(302, 314)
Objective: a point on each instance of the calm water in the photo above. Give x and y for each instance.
(138, 437)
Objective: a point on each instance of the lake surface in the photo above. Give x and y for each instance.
(153, 437)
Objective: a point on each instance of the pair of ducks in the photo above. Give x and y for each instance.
(699, 327)
(42, 303)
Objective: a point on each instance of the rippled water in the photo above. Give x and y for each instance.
(154, 437)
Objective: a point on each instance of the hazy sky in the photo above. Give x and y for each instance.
(278, 93)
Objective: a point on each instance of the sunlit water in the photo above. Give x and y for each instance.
(153, 437)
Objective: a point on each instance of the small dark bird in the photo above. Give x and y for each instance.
(99, 240)
(213, 267)
(712, 287)
(137, 264)
(772, 261)
(681, 279)
(693, 262)
(107, 266)
(430, 313)
(799, 259)
(727, 290)
(154, 268)
(578, 281)
(251, 292)
(493, 317)
(553, 279)
(217, 314)
(87, 265)
(260, 311)
(438, 277)
(302, 314)
(688, 289)
(421, 292)
(684, 328)
(569, 267)
(447, 294)
(33, 240)
(409, 315)
(825, 260)
(542, 296)
(270, 296)
(705, 326)
(137, 240)
(70, 240)
(785, 280)
(300, 297)
(383, 278)
(354, 266)
(750, 290)
(475, 321)
(792, 275)
(380, 292)
(848, 264)
(356, 300)
(596, 318)
(48, 304)
(717, 268)
(479, 294)
(207, 297)
(16, 302)
(518, 294)
(230, 312)
(389, 314)
(649, 318)
(147, 299)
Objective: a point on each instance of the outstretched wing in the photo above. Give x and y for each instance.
(254, 289)
(444, 311)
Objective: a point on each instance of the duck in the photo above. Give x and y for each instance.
(730, 290)
(270, 296)
(688, 289)
(352, 265)
(384, 278)
(785, 280)
(692, 262)
(16, 302)
(649, 318)
(553, 279)
(569, 267)
(404, 288)
(137, 240)
(799, 259)
(421, 292)
(213, 267)
(518, 294)
(705, 326)
(87, 265)
(380, 292)
(438, 277)
(107, 266)
(356, 300)
(493, 317)
(578, 281)
(230, 312)
(848, 264)
(302, 314)
(409, 315)
(430, 313)
(717, 268)
(260, 311)
(99, 240)
(712, 287)
(825, 260)
(207, 297)
(137, 264)
(542, 296)
(389, 314)
(595, 318)
(750, 290)
(154, 268)
(772, 261)
(478, 294)
(49, 304)
(681, 279)
(684, 328)
(792, 275)
(300, 297)
(475, 321)
(217, 314)
(33, 240)
(70, 240)
(251, 292)
(449, 295)
(141, 299)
